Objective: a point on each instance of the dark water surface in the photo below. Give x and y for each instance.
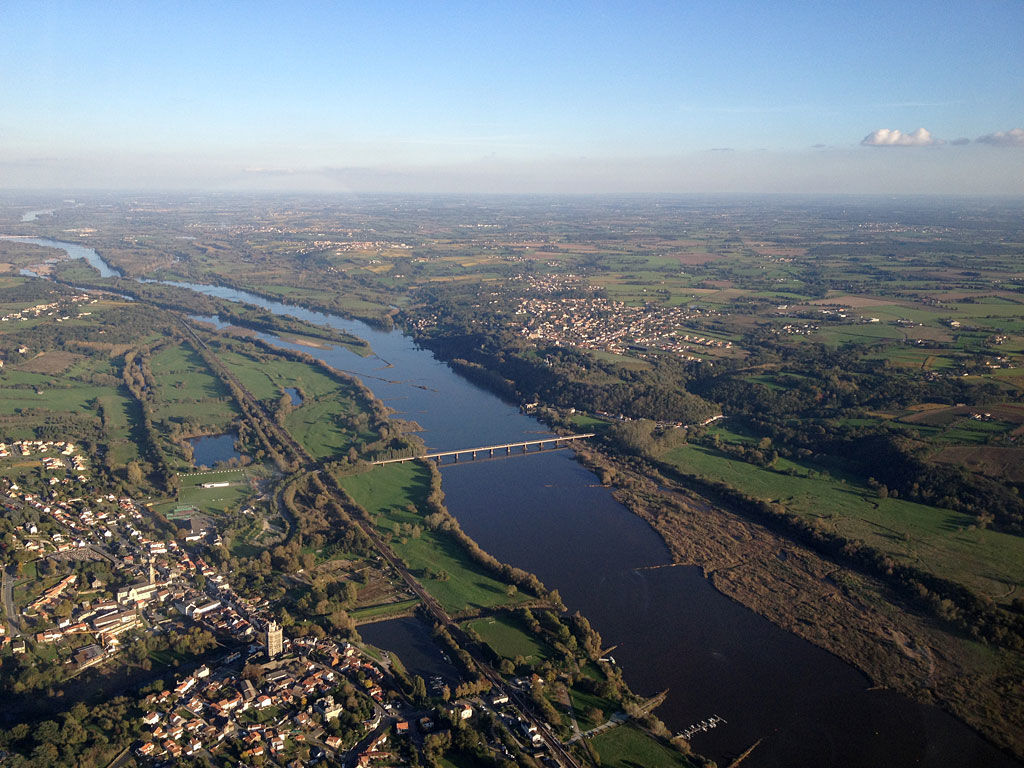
(546, 513)
(209, 449)
(411, 641)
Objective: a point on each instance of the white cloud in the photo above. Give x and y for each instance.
(1011, 138)
(886, 137)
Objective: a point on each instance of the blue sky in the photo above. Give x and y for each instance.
(493, 96)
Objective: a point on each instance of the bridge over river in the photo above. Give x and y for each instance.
(556, 441)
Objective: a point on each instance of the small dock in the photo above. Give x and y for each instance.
(702, 727)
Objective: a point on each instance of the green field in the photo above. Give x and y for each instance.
(318, 426)
(507, 638)
(327, 423)
(47, 393)
(266, 376)
(378, 612)
(437, 560)
(214, 500)
(628, 747)
(590, 423)
(937, 540)
(583, 702)
(182, 376)
(188, 393)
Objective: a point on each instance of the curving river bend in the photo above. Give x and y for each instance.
(544, 512)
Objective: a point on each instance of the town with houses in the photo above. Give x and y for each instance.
(545, 313)
(254, 696)
(614, 326)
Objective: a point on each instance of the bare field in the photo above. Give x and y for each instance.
(938, 417)
(50, 362)
(995, 461)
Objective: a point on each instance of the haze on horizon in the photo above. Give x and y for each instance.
(572, 97)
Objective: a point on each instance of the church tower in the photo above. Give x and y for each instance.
(275, 640)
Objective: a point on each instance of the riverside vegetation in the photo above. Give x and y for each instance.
(866, 356)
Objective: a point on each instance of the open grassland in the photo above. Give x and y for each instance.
(325, 427)
(629, 747)
(23, 391)
(508, 638)
(937, 540)
(181, 375)
(590, 423)
(51, 362)
(437, 560)
(267, 376)
(583, 705)
(121, 417)
(327, 423)
(941, 415)
(188, 391)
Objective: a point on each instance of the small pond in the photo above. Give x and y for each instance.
(412, 642)
(293, 393)
(209, 449)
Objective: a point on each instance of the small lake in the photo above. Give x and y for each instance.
(411, 641)
(293, 393)
(210, 449)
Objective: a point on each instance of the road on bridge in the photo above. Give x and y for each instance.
(490, 449)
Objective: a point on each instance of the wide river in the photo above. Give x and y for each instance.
(544, 512)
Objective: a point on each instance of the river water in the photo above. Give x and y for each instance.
(73, 250)
(546, 513)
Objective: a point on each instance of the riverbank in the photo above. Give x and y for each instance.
(403, 505)
(847, 613)
(546, 513)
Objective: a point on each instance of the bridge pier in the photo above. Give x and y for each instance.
(490, 452)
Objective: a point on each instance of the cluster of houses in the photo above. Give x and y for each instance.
(31, 447)
(795, 329)
(612, 326)
(293, 701)
(85, 520)
(53, 464)
(51, 595)
(51, 309)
